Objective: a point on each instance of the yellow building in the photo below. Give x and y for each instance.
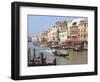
(83, 32)
(52, 34)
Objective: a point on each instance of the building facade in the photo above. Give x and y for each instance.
(34, 39)
(74, 34)
(79, 33)
(44, 37)
(67, 33)
(83, 33)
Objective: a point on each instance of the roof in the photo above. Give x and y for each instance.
(77, 21)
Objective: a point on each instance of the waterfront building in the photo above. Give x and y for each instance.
(74, 34)
(79, 33)
(63, 37)
(44, 36)
(52, 36)
(68, 41)
(49, 35)
(59, 33)
(83, 32)
(68, 31)
(63, 33)
(34, 39)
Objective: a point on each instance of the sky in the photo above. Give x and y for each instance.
(40, 23)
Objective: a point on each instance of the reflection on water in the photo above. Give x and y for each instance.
(73, 58)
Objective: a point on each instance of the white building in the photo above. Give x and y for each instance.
(63, 36)
(34, 39)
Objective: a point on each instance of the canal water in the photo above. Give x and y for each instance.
(73, 58)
